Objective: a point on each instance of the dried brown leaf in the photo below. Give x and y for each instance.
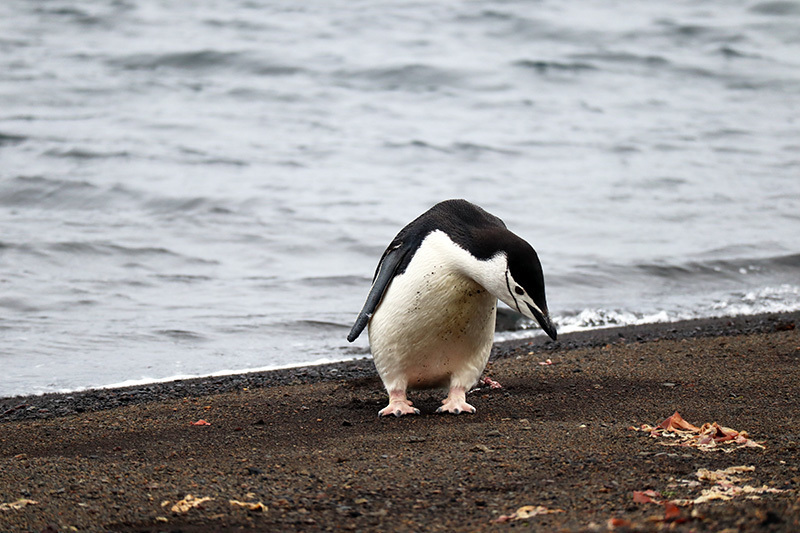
(671, 511)
(646, 496)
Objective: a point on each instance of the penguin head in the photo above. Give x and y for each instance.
(522, 286)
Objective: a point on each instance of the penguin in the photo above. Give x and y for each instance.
(431, 310)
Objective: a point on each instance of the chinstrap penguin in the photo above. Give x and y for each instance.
(431, 309)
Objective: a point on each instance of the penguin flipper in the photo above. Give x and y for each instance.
(387, 267)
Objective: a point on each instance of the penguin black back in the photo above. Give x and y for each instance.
(465, 223)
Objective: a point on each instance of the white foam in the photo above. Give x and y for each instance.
(780, 299)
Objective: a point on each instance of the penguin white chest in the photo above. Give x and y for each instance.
(435, 325)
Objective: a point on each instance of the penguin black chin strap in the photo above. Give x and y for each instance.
(508, 285)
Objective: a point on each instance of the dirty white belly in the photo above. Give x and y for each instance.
(433, 328)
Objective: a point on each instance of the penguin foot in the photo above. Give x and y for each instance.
(456, 402)
(399, 405)
(456, 408)
(398, 409)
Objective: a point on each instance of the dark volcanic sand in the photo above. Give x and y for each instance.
(308, 444)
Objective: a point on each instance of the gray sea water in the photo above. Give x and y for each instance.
(189, 188)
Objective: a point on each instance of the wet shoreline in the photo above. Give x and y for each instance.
(61, 404)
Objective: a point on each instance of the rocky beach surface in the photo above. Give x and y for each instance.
(571, 441)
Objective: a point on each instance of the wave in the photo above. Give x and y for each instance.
(653, 61)
(458, 148)
(777, 299)
(73, 14)
(82, 153)
(17, 305)
(334, 281)
(179, 205)
(781, 299)
(692, 271)
(728, 267)
(323, 324)
(54, 194)
(38, 191)
(107, 248)
(205, 60)
(612, 295)
(402, 77)
(545, 67)
(187, 279)
(67, 251)
(193, 60)
(10, 138)
(687, 34)
(181, 335)
(527, 29)
(778, 8)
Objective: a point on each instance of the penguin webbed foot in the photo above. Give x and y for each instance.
(456, 402)
(398, 405)
(457, 410)
(398, 409)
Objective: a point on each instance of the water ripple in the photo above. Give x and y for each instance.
(778, 8)
(204, 60)
(404, 77)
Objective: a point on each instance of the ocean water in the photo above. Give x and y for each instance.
(189, 188)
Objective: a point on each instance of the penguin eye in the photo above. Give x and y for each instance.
(519, 290)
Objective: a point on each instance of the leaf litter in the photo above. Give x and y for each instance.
(726, 483)
(726, 487)
(707, 438)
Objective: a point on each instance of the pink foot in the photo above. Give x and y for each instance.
(456, 402)
(398, 405)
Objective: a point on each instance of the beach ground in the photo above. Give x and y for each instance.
(303, 449)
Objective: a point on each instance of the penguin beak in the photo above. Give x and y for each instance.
(544, 321)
